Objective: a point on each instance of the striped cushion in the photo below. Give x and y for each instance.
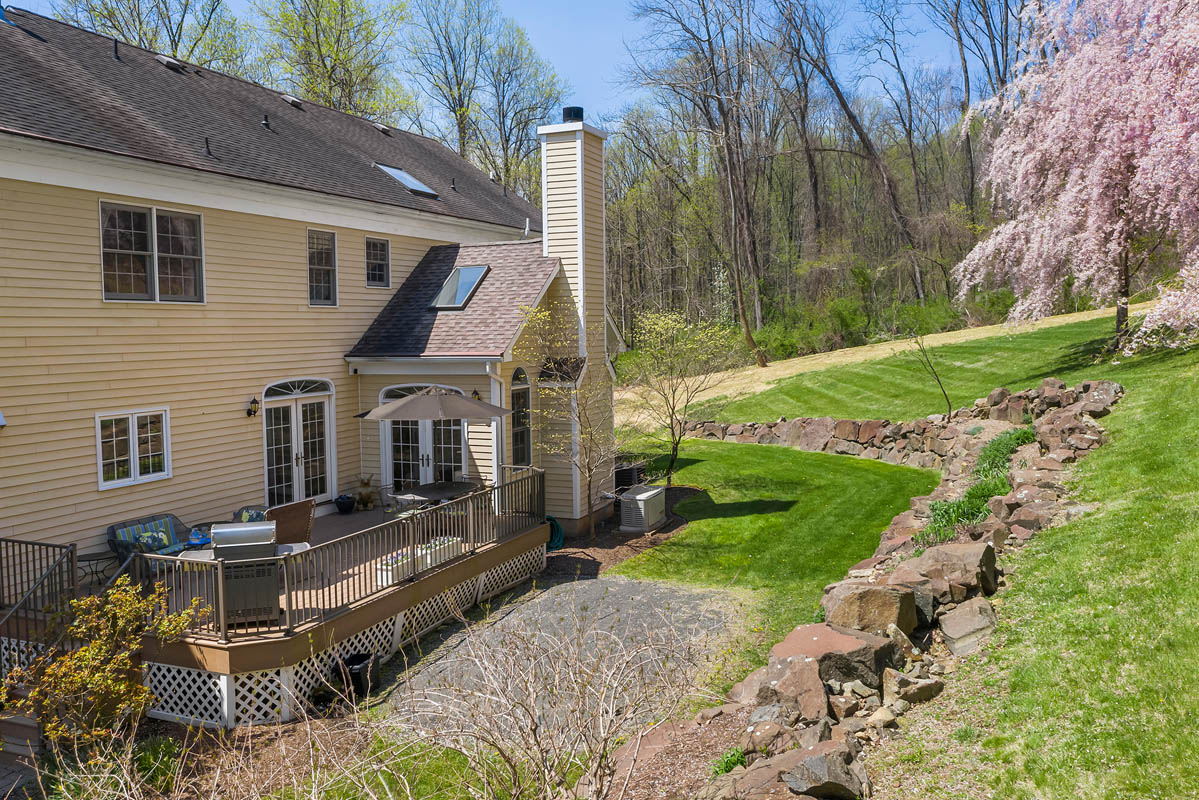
(155, 536)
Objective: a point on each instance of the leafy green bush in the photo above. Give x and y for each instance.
(727, 762)
(913, 319)
(157, 761)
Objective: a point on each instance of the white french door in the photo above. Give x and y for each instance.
(297, 450)
(422, 451)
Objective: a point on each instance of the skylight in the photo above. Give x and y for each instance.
(459, 287)
(406, 178)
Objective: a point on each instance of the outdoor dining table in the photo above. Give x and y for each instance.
(436, 492)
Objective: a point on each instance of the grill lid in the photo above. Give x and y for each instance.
(235, 533)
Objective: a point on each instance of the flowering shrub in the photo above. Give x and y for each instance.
(88, 693)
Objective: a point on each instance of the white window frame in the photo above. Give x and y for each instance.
(330, 425)
(366, 250)
(385, 464)
(133, 454)
(308, 271)
(157, 298)
(525, 386)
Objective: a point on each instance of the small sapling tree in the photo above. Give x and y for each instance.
(573, 413)
(673, 365)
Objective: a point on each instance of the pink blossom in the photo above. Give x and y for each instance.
(1091, 149)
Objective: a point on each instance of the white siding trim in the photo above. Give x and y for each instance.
(497, 429)
(545, 205)
(47, 163)
(568, 127)
(580, 232)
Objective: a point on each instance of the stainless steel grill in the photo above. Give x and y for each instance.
(235, 541)
(251, 590)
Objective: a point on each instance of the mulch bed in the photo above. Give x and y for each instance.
(682, 762)
(589, 558)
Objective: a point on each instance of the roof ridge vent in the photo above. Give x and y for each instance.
(381, 128)
(169, 63)
(292, 100)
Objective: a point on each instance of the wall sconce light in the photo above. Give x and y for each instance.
(252, 411)
(475, 394)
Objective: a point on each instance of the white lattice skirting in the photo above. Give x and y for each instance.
(199, 697)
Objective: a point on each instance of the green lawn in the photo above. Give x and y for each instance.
(898, 388)
(778, 522)
(1093, 693)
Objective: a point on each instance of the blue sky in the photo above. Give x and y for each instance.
(586, 43)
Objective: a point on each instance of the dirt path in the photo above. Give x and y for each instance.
(752, 380)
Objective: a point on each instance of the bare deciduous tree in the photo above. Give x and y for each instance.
(448, 43)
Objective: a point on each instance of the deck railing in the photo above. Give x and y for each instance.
(39, 581)
(238, 598)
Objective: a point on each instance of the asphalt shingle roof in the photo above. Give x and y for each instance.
(408, 327)
(62, 83)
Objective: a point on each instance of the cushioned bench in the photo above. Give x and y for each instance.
(159, 534)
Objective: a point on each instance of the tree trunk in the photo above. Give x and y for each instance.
(1122, 301)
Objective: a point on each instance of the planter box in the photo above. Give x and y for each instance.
(426, 557)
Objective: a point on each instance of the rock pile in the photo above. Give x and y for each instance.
(830, 689)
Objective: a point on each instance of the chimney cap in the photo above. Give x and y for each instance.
(572, 114)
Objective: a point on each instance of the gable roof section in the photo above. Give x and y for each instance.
(62, 84)
(407, 327)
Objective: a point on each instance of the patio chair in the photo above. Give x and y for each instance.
(293, 521)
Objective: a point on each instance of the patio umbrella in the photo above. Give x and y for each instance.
(436, 404)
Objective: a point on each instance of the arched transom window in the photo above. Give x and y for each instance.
(297, 388)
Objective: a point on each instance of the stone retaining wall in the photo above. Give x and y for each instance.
(896, 624)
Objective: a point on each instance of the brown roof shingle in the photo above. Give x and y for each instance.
(61, 83)
(408, 327)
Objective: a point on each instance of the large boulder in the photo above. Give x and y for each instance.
(828, 770)
(794, 684)
(969, 564)
(1034, 516)
(841, 654)
(816, 434)
(966, 627)
(870, 607)
(846, 429)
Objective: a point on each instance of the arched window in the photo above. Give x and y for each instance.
(297, 388)
(522, 434)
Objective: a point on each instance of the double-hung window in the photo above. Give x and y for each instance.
(322, 268)
(378, 262)
(151, 254)
(133, 447)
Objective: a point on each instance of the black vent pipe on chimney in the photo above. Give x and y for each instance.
(572, 114)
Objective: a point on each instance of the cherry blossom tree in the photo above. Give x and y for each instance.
(1094, 162)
